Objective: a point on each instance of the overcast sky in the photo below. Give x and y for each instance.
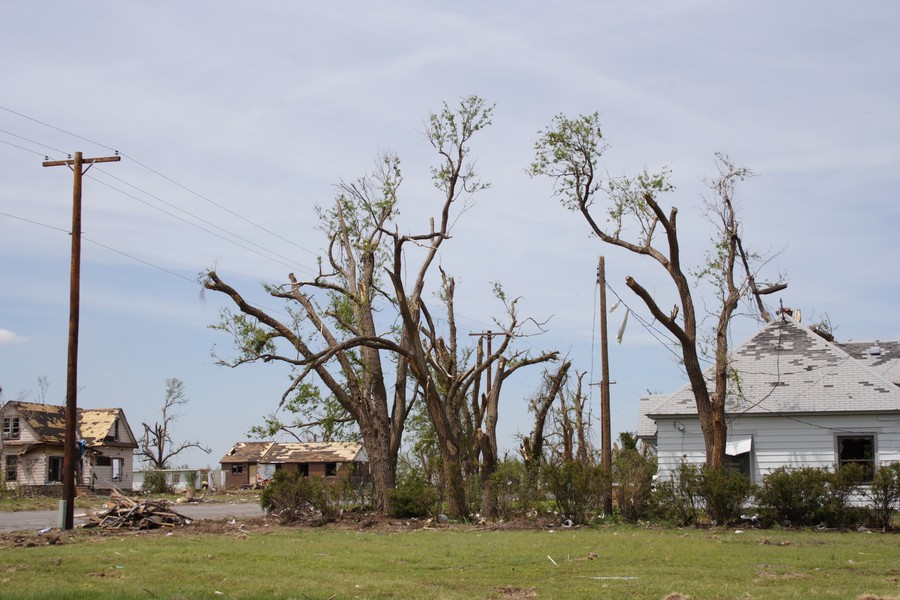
(236, 119)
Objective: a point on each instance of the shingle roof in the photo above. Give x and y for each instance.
(293, 452)
(314, 452)
(880, 356)
(786, 368)
(49, 421)
(246, 452)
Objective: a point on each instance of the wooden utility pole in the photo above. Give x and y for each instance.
(606, 441)
(69, 452)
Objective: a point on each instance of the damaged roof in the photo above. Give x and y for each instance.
(786, 368)
(313, 452)
(48, 421)
(246, 452)
(294, 452)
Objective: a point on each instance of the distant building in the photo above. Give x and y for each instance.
(251, 464)
(32, 447)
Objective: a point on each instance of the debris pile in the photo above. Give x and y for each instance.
(124, 513)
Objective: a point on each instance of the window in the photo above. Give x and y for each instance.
(117, 464)
(10, 428)
(859, 449)
(55, 472)
(330, 469)
(237, 469)
(737, 455)
(304, 469)
(103, 461)
(12, 467)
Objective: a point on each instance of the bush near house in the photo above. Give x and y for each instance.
(884, 495)
(290, 496)
(811, 496)
(155, 482)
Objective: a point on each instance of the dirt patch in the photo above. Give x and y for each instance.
(513, 593)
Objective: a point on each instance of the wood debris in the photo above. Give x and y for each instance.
(123, 512)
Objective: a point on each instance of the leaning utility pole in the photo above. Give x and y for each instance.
(606, 441)
(69, 449)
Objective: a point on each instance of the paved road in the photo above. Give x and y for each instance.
(34, 520)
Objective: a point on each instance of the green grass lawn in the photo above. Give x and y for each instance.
(616, 562)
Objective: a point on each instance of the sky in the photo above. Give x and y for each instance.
(235, 120)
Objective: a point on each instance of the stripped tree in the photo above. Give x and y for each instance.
(569, 151)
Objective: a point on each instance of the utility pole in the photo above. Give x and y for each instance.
(69, 451)
(606, 441)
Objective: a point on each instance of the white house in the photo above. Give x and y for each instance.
(795, 399)
(32, 447)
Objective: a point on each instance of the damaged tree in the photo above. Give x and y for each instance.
(568, 151)
(361, 328)
(156, 447)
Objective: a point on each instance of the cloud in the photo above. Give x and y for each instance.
(8, 337)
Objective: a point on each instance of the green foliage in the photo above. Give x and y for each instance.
(810, 496)
(576, 487)
(515, 492)
(633, 476)
(884, 494)
(414, 496)
(678, 500)
(724, 493)
(155, 482)
(289, 496)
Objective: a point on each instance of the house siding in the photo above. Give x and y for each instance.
(798, 440)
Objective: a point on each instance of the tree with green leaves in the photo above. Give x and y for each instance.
(569, 152)
(360, 330)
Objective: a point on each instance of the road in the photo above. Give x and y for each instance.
(34, 520)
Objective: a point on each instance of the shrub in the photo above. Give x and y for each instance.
(884, 494)
(810, 496)
(678, 499)
(289, 496)
(633, 475)
(576, 487)
(414, 496)
(724, 493)
(155, 482)
(511, 488)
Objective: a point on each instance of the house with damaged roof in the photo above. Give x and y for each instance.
(252, 464)
(33, 446)
(795, 399)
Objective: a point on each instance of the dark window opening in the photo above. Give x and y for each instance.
(237, 469)
(55, 473)
(739, 464)
(103, 461)
(330, 469)
(304, 469)
(11, 428)
(858, 449)
(12, 468)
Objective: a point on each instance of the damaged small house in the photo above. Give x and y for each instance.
(252, 464)
(33, 448)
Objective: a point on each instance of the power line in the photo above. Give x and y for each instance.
(163, 176)
(32, 141)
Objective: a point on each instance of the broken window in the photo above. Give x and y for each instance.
(12, 467)
(103, 461)
(10, 428)
(859, 449)
(117, 464)
(55, 471)
(330, 469)
(237, 469)
(737, 456)
(304, 469)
